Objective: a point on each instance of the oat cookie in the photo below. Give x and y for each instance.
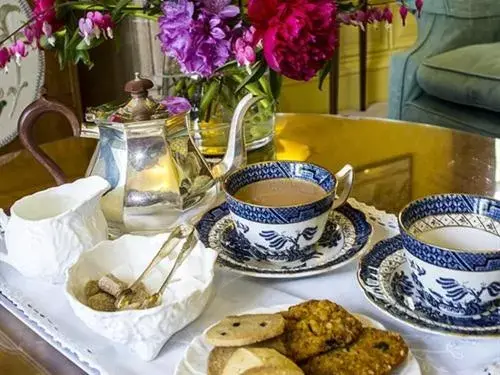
(245, 329)
(376, 352)
(314, 327)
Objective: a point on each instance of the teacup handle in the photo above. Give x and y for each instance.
(344, 177)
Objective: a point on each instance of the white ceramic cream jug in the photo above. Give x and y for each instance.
(48, 230)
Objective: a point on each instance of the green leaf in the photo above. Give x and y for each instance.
(257, 72)
(208, 96)
(83, 56)
(275, 80)
(230, 64)
(94, 42)
(119, 6)
(324, 72)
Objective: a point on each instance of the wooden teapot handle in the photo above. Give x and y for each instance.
(26, 125)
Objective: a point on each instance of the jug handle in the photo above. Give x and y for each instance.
(4, 219)
(26, 124)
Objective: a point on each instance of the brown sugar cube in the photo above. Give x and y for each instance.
(91, 288)
(102, 302)
(111, 285)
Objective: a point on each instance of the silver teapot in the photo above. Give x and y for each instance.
(157, 175)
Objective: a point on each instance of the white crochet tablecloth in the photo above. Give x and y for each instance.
(49, 314)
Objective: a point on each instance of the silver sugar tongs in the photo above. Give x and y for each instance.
(181, 232)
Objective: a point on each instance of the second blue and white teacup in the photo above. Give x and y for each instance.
(452, 247)
(281, 207)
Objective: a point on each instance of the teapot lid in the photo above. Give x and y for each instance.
(140, 107)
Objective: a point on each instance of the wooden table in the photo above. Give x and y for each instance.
(395, 162)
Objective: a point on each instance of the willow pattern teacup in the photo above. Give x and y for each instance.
(261, 200)
(452, 246)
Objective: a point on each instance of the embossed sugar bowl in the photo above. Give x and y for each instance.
(452, 248)
(157, 175)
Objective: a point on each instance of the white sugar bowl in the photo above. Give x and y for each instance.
(145, 331)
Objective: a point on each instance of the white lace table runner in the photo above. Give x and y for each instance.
(44, 308)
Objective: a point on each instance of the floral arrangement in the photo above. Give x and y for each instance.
(226, 45)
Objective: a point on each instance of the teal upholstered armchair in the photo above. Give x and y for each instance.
(451, 76)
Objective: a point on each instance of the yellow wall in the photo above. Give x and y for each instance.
(304, 97)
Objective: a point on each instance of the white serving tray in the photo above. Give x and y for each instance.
(44, 308)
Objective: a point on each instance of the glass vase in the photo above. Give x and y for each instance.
(213, 102)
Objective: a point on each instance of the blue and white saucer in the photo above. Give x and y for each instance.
(387, 284)
(345, 237)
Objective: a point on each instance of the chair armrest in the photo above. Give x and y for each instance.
(437, 33)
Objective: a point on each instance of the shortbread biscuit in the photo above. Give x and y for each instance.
(219, 356)
(245, 329)
(245, 359)
(376, 352)
(314, 327)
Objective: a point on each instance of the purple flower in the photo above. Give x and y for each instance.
(86, 29)
(221, 8)
(18, 49)
(176, 104)
(199, 41)
(47, 30)
(174, 28)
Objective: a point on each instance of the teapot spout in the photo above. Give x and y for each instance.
(235, 156)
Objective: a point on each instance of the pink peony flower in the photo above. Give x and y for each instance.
(18, 50)
(298, 36)
(4, 57)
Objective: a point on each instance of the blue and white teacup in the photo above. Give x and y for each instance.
(452, 246)
(285, 233)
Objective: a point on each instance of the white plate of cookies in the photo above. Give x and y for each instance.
(312, 338)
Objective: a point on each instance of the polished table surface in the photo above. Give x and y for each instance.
(395, 162)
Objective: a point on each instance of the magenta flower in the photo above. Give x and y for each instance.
(18, 50)
(4, 58)
(44, 22)
(403, 11)
(299, 36)
(387, 16)
(244, 47)
(419, 4)
(176, 104)
(94, 24)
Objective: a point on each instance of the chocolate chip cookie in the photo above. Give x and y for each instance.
(376, 352)
(245, 329)
(314, 327)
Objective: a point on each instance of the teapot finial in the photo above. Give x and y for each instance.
(236, 155)
(140, 107)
